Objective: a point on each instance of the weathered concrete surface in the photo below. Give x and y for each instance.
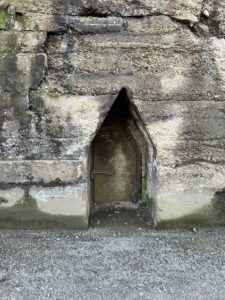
(63, 63)
(123, 262)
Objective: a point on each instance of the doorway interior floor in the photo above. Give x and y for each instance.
(121, 218)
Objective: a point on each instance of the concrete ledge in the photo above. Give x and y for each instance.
(188, 209)
(62, 206)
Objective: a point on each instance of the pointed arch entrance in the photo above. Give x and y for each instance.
(121, 159)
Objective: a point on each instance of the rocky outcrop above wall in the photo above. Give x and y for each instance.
(188, 11)
(213, 17)
(64, 62)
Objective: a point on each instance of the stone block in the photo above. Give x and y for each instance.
(70, 200)
(177, 206)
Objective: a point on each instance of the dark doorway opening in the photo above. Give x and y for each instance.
(120, 160)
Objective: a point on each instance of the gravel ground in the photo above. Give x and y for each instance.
(119, 257)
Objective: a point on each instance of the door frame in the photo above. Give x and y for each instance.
(149, 168)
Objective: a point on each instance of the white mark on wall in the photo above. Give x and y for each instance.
(60, 192)
(172, 83)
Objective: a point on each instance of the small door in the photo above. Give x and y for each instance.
(116, 162)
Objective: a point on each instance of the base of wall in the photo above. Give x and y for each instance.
(209, 216)
(33, 219)
(190, 222)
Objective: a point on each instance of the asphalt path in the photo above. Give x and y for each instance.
(119, 257)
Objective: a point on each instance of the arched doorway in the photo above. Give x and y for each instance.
(121, 159)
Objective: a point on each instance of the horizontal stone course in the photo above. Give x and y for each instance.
(41, 172)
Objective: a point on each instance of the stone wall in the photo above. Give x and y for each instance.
(62, 65)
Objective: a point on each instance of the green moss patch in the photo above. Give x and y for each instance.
(5, 20)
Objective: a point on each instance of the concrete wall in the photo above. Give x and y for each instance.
(63, 63)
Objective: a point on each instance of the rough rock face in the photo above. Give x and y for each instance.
(63, 64)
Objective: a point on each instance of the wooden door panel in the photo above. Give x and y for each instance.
(116, 164)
